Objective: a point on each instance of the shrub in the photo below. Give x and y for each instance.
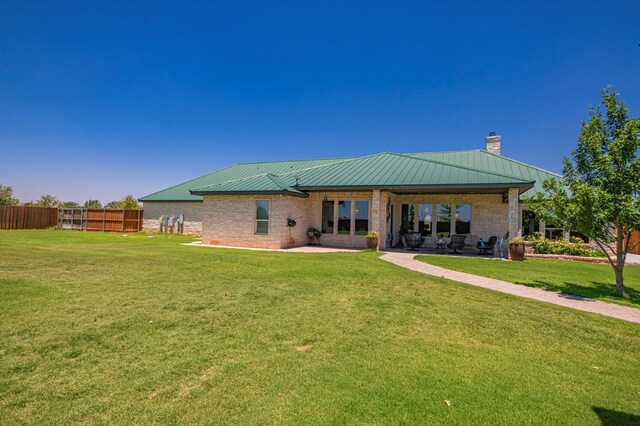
(575, 248)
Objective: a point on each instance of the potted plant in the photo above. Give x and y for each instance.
(372, 240)
(516, 248)
(314, 236)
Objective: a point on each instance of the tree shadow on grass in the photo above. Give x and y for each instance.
(597, 290)
(613, 417)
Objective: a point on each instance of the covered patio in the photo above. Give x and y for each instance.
(433, 221)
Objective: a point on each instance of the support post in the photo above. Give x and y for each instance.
(379, 216)
(514, 212)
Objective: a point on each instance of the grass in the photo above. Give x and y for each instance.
(101, 328)
(596, 281)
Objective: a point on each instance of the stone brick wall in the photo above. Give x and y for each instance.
(230, 220)
(335, 239)
(192, 212)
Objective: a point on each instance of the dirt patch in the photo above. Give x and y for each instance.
(303, 348)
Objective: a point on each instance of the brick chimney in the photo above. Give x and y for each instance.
(492, 143)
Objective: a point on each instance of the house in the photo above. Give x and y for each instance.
(476, 192)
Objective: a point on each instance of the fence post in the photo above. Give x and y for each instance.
(122, 220)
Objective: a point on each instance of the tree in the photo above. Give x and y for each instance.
(6, 196)
(70, 205)
(92, 204)
(127, 202)
(47, 201)
(600, 193)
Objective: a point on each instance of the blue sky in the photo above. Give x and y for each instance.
(100, 99)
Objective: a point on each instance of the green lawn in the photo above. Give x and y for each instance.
(596, 281)
(101, 328)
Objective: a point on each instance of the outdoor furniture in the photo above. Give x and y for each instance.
(484, 247)
(457, 243)
(441, 247)
(471, 241)
(429, 242)
(413, 241)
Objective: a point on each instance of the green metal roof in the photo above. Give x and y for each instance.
(261, 184)
(484, 160)
(389, 170)
(181, 192)
(427, 170)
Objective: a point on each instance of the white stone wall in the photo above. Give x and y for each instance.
(230, 220)
(192, 212)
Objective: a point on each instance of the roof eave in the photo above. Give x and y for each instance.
(523, 186)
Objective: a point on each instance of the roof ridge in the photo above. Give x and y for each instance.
(234, 180)
(520, 162)
(279, 182)
(444, 152)
(346, 160)
(297, 161)
(462, 167)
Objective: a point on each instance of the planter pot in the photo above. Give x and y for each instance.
(516, 251)
(372, 243)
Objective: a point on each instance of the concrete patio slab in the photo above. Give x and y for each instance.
(303, 249)
(406, 260)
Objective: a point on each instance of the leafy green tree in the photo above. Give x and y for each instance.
(600, 193)
(47, 201)
(127, 202)
(6, 196)
(70, 205)
(92, 204)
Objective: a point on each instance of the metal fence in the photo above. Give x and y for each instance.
(106, 220)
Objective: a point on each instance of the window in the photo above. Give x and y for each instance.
(344, 217)
(425, 224)
(443, 224)
(327, 217)
(362, 217)
(463, 218)
(553, 233)
(530, 224)
(262, 217)
(408, 217)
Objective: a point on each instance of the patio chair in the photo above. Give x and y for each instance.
(456, 243)
(486, 247)
(413, 240)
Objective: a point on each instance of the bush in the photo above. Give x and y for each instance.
(544, 246)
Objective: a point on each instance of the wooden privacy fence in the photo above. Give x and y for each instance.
(635, 237)
(20, 217)
(108, 220)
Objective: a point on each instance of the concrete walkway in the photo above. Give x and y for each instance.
(632, 259)
(612, 310)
